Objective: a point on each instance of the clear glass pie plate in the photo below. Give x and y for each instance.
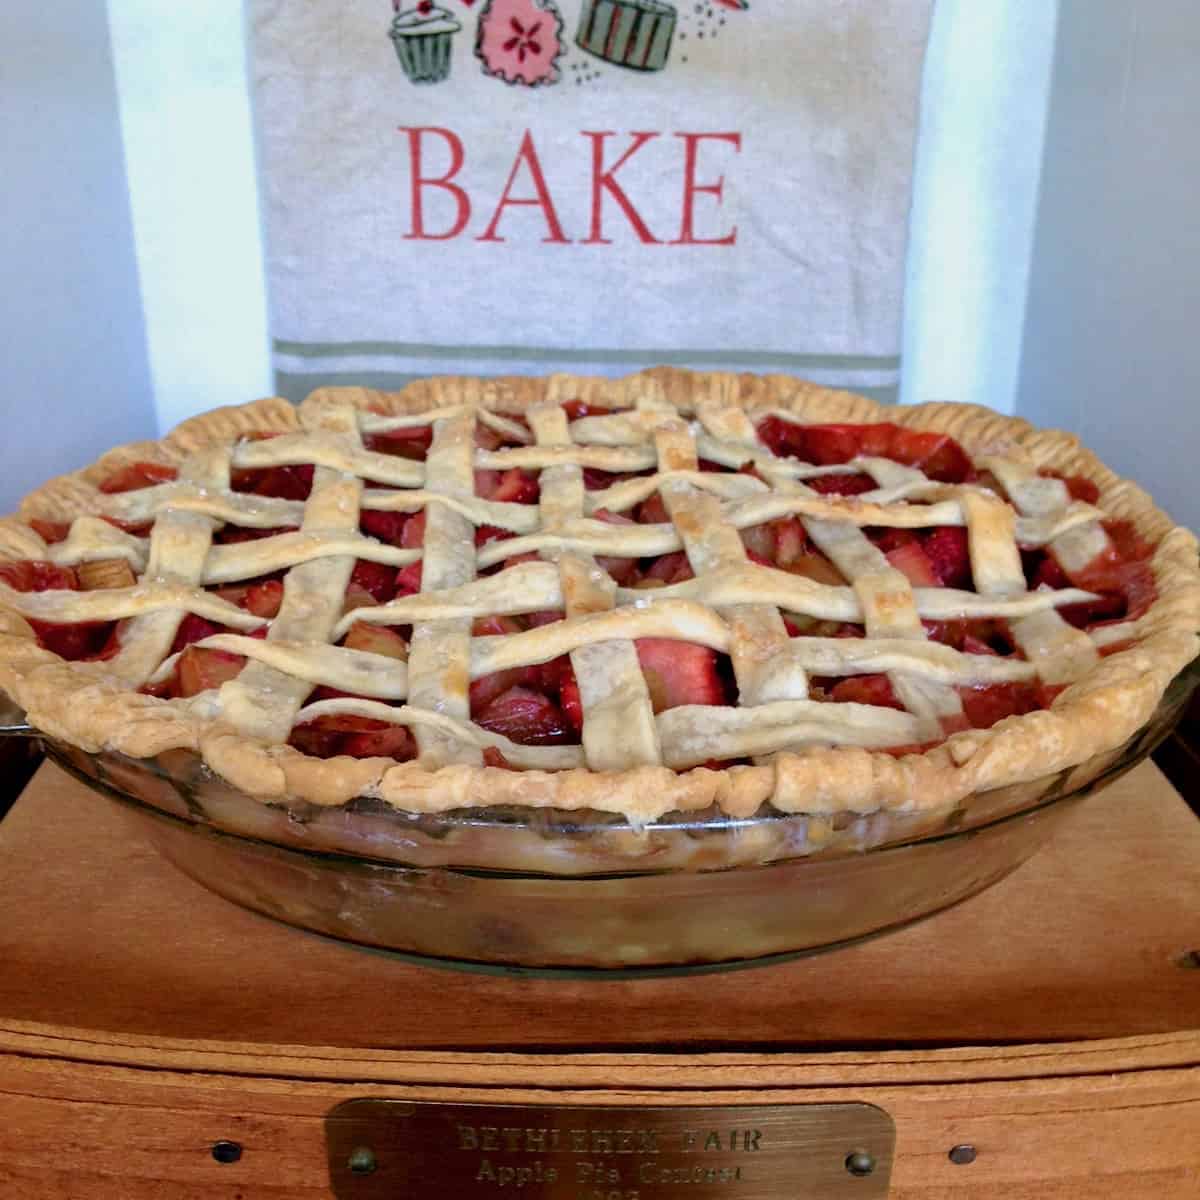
(576, 893)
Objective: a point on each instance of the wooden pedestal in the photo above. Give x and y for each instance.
(1052, 1023)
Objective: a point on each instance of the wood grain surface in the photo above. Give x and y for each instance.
(142, 1019)
(1081, 942)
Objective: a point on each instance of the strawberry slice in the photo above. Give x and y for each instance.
(408, 579)
(546, 616)
(1078, 487)
(624, 571)
(890, 539)
(842, 485)
(1047, 573)
(411, 442)
(914, 563)
(377, 579)
(27, 575)
(194, 629)
(595, 480)
(569, 700)
(984, 706)
(50, 531)
(136, 476)
(83, 640)
(946, 547)
(974, 645)
(525, 717)
(517, 487)
(230, 535)
(652, 511)
(491, 533)
(413, 537)
(938, 456)
(679, 673)
(1127, 542)
(324, 736)
(500, 625)
(486, 688)
(388, 741)
(386, 526)
(283, 483)
(670, 568)
(866, 689)
(575, 409)
(201, 670)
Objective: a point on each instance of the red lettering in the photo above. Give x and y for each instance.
(691, 189)
(419, 182)
(529, 156)
(605, 181)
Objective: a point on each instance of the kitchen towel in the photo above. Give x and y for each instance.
(526, 186)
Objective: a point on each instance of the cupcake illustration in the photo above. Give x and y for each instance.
(628, 33)
(520, 41)
(423, 36)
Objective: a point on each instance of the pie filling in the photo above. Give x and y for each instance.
(539, 704)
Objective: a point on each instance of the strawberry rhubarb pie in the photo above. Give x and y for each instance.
(668, 594)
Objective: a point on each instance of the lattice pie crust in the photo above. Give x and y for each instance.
(805, 755)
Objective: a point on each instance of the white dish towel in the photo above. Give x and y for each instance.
(499, 186)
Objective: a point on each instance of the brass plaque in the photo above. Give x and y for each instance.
(396, 1150)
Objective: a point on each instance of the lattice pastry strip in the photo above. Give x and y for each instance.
(762, 665)
(1061, 651)
(889, 611)
(440, 650)
(261, 700)
(618, 721)
(179, 546)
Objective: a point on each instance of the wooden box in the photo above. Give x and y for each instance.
(1051, 1025)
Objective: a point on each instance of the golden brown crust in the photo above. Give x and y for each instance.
(78, 703)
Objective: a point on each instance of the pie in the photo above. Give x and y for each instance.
(668, 593)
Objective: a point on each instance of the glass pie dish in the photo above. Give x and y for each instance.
(551, 892)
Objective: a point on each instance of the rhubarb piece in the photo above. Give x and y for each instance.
(947, 551)
(201, 670)
(105, 573)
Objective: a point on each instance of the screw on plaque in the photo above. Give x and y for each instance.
(1189, 961)
(962, 1155)
(860, 1163)
(226, 1151)
(362, 1160)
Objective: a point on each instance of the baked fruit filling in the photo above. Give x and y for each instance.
(641, 548)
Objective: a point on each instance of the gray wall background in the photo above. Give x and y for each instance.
(1112, 333)
(74, 377)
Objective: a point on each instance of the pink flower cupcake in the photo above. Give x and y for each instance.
(520, 41)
